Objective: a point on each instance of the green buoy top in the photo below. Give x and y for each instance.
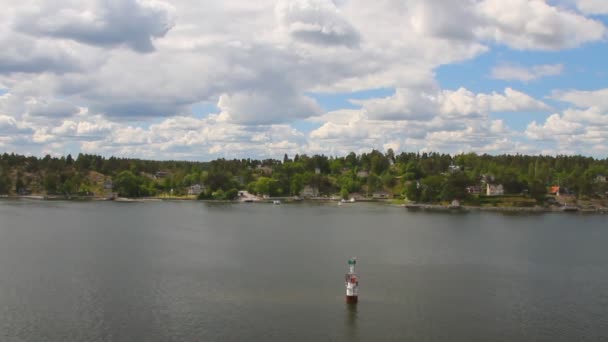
(352, 261)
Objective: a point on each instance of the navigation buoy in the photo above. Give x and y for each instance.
(352, 282)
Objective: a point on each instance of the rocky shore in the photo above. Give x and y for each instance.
(535, 209)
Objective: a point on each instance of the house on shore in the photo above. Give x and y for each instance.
(195, 190)
(161, 174)
(474, 190)
(381, 195)
(309, 191)
(555, 190)
(494, 190)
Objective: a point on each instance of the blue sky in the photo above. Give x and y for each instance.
(583, 69)
(171, 80)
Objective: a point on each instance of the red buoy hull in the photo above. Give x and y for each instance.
(352, 299)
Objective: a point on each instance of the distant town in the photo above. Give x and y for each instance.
(412, 179)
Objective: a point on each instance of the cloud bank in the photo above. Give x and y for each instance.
(290, 76)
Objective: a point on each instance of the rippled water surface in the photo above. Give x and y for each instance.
(200, 272)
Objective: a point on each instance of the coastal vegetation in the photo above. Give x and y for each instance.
(417, 177)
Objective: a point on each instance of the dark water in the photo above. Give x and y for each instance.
(201, 272)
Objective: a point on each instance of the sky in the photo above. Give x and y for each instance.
(200, 79)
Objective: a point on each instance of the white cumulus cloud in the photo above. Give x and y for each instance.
(265, 108)
(316, 22)
(535, 25)
(134, 23)
(593, 6)
(425, 104)
(582, 99)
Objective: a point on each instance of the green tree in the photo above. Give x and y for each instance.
(455, 187)
(71, 185)
(537, 190)
(412, 191)
(127, 184)
(374, 183)
(431, 188)
(219, 195)
(512, 182)
(50, 183)
(205, 195)
(232, 194)
(265, 186)
(296, 185)
(336, 166)
(5, 183)
(351, 160)
(344, 193)
(220, 180)
(412, 171)
(388, 180)
(348, 182)
(19, 184)
(379, 163)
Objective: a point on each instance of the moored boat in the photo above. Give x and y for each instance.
(569, 208)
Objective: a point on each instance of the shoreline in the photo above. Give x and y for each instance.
(414, 207)
(535, 209)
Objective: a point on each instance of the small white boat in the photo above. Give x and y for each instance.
(567, 207)
(276, 202)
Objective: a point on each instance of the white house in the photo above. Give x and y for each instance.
(362, 174)
(309, 191)
(494, 190)
(381, 195)
(195, 189)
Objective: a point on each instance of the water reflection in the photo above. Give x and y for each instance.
(351, 320)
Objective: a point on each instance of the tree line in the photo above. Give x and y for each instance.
(424, 177)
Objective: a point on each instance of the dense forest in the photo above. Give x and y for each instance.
(423, 177)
